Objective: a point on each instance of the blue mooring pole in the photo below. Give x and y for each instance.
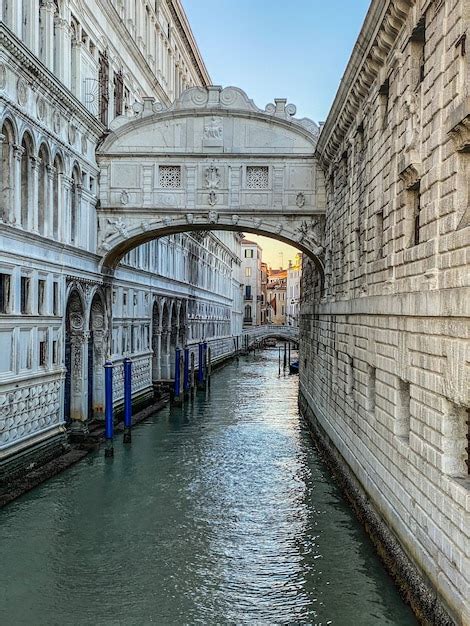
(127, 400)
(200, 367)
(108, 408)
(177, 385)
(186, 370)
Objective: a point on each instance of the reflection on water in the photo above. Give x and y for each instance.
(220, 513)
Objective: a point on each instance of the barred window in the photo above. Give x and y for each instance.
(257, 177)
(170, 176)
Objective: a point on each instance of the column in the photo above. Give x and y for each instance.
(32, 26)
(18, 152)
(49, 208)
(33, 195)
(6, 191)
(47, 11)
(158, 369)
(64, 208)
(16, 17)
(167, 364)
(62, 51)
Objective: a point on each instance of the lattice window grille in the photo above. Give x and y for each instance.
(257, 177)
(170, 176)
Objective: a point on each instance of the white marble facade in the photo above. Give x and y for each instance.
(62, 82)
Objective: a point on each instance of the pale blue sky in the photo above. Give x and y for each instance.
(277, 49)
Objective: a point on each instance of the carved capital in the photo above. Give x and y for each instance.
(410, 173)
(18, 152)
(458, 124)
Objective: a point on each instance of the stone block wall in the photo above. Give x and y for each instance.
(385, 344)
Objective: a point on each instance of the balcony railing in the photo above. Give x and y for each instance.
(248, 298)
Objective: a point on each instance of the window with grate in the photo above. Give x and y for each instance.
(4, 293)
(42, 353)
(24, 294)
(170, 176)
(257, 177)
(118, 93)
(103, 84)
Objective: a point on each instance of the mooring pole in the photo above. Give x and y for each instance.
(285, 354)
(108, 408)
(186, 371)
(181, 364)
(289, 354)
(177, 381)
(209, 367)
(279, 368)
(193, 374)
(200, 369)
(127, 400)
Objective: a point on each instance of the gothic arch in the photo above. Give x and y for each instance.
(96, 355)
(43, 187)
(75, 361)
(7, 174)
(28, 157)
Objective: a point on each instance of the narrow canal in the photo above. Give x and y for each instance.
(220, 513)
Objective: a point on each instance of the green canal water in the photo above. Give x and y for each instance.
(220, 513)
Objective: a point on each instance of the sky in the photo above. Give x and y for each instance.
(276, 49)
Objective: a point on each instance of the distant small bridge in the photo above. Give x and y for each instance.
(256, 334)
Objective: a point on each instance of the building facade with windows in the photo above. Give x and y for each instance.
(277, 296)
(251, 263)
(294, 276)
(67, 69)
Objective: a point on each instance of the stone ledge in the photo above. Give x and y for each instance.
(458, 126)
(416, 590)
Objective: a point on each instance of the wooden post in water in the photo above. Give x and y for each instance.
(289, 356)
(285, 354)
(279, 368)
(209, 367)
(181, 364)
(192, 376)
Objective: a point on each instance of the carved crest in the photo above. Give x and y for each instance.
(300, 200)
(212, 177)
(212, 198)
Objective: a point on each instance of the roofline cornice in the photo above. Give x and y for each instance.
(184, 29)
(378, 35)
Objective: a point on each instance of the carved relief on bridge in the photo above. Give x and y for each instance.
(211, 160)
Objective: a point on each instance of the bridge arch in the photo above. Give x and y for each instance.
(211, 161)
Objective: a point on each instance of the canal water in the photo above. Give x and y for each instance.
(220, 513)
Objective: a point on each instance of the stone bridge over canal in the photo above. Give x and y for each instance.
(258, 333)
(211, 161)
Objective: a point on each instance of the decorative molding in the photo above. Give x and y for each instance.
(22, 91)
(458, 125)
(379, 33)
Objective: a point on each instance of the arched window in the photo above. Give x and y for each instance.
(248, 312)
(74, 206)
(57, 195)
(26, 179)
(42, 189)
(6, 173)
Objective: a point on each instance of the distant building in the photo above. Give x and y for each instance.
(264, 293)
(294, 274)
(276, 290)
(251, 281)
